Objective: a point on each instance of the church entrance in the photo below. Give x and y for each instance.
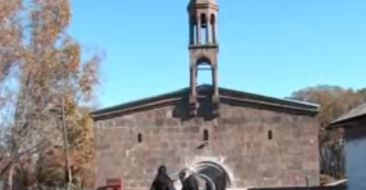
(209, 176)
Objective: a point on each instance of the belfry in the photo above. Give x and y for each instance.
(203, 47)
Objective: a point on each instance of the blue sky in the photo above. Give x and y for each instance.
(269, 47)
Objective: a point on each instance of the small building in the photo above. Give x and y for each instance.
(255, 140)
(354, 125)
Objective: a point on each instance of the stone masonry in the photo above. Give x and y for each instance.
(259, 146)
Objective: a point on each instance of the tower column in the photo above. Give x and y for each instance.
(214, 28)
(208, 33)
(193, 103)
(191, 32)
(198, 30)
(214, 39)
(215, 85)
(193, 80)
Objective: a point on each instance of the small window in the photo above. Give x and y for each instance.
(270, 135)
(205, 135)
(139, 138)
(203, 20)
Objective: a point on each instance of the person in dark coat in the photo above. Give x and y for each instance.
(162, 180)
(189, 183)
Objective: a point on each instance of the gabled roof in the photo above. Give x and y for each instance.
(355, 113)
(203, 90)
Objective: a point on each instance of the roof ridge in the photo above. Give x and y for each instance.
(171, 97)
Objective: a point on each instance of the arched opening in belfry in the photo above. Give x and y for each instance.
(204, 29)
(204, 72)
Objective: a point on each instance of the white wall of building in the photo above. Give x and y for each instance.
(356, 163)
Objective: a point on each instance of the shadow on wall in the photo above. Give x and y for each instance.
(206, 109)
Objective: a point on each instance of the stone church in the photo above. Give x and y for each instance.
(258, 141)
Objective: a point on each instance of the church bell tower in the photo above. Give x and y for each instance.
(203, 47)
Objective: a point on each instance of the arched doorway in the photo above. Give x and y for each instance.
(211, 175)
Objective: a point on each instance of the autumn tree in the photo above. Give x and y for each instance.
(54, 86)
(10, 36)
(334, 101)
(10, 50)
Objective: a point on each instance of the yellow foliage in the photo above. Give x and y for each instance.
(51, 70)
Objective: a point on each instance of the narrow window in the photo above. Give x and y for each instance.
(270, 135)
(139, 138)
(205, 135)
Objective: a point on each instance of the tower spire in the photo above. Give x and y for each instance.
(203, 46)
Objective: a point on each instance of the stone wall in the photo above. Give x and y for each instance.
(239, 140)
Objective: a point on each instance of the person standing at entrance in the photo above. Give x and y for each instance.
(162, 180)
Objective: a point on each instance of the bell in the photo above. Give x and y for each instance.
(204, 24)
